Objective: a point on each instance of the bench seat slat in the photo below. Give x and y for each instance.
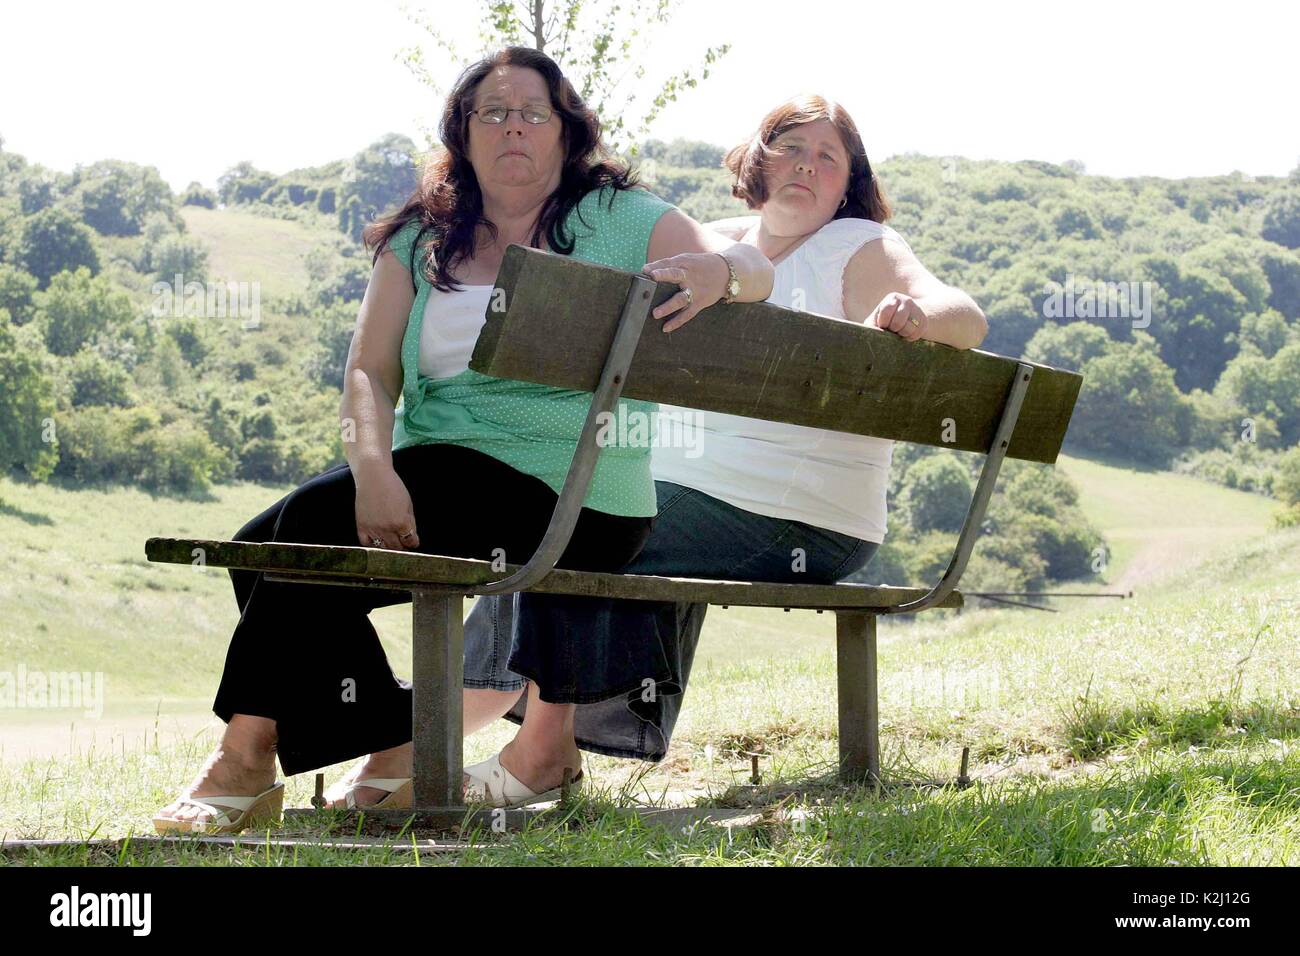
(759, 360)
(403, 569)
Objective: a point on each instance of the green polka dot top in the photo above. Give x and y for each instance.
(535, 428)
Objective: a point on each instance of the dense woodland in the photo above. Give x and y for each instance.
(1201, 374)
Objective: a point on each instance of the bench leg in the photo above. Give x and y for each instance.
(855, 641)
(437, 679)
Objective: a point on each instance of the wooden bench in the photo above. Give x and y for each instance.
(571, 324)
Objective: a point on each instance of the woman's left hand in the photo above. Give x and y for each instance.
(705, 274)
(899, 313)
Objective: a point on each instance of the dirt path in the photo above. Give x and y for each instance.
(26, 738)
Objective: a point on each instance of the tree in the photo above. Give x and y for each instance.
(1283, 270)
(937, 494)
(26, 404)
(344, 280)
(1216, 421)
(1068, 346)
(39, 188)
(243, 183)
(1044, 503)
(1196, 312)
(135, 446)
(1267, 388)
(1265, 331)
(684, 153)
(17, 289)
(1287, 484)
(1282, 218)
(54, 241)
(380, 176)
(1239, 264)
(115, 196)
(188, 332)
(78, 306)
(1013, 302)
(1130, 405)
(175, 254)
(711, 201)
(599, 46)
(335, 326)
(97, 381)
(1074, 219)
(196, 194)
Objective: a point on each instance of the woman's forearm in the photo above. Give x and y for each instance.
(366, 414)
(954, 319)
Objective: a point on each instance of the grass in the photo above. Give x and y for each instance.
(245, 247)
(1235, 806)
(1152, 532)
(1146, 732)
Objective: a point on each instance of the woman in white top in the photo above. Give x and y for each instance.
(761, 501)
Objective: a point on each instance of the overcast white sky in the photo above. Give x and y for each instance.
(1128, 88)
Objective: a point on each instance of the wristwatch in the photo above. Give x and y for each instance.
(733, 281)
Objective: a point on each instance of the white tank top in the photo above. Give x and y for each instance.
(822, 478)
(450, 328)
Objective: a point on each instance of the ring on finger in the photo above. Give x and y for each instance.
(688, 293)
(377, 542)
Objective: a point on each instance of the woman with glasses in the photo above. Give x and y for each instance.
(440, 458)
(760, 501)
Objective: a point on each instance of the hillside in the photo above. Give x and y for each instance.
(1157, 523)
(245, 247)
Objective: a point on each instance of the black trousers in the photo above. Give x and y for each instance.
(306, 655)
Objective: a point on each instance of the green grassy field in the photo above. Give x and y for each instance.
(1156, 522)
(1152, 731)
(245, 247)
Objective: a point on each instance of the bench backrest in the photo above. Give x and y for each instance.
(553, 318)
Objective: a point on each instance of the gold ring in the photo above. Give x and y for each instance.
(914, 320)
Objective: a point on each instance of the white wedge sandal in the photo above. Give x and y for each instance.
(494, 785)
(255, 811)
(399, 791)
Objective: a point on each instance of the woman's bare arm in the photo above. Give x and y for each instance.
(676, 244)
(883, 273)
(372, 384)
(372, 378)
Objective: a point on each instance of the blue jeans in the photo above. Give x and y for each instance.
(608, 656)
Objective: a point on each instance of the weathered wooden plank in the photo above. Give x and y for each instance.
(762, 361)
(403, 569)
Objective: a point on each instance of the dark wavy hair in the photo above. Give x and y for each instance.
(749, 161)
(448, 204)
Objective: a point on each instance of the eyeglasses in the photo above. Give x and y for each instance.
(495, 115)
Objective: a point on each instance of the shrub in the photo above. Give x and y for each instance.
(132, 446)
(96, 381)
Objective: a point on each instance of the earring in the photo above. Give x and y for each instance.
(843, 202)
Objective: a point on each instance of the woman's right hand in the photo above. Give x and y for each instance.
(384, 511)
